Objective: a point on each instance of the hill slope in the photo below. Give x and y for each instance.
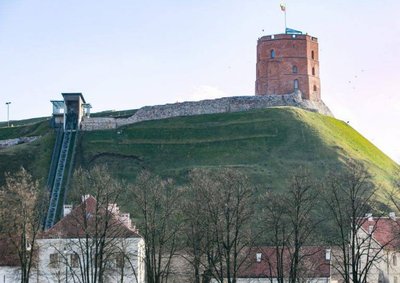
(266, 144)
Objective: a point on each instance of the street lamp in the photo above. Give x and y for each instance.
(8, 113)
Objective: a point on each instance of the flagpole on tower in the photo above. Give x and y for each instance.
(283, 9)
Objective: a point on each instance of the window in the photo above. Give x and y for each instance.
(394, 259)
(315, 88)
(272, 53)
(395, 280)
(313, 71)
(294, 69)
(54, 260)
(74, 260)
(258, 257)
(296, 84)
(312, 54)
(120, 260)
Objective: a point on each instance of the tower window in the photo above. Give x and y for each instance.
(294, 69)
(315, 88)
(313, 71)
(394, 260)
(272, 53)
(296, 84)
(312, 54)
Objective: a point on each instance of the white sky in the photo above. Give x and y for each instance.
(125, 54)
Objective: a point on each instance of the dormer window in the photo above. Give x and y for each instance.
(272, 53)
(258, 257)
(294, 69)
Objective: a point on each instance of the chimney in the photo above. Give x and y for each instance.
(85, 197)
(258, 257)
(392, 215)
(370, 229)
(125, 218)
(67, 208)
(328, 254)
(113, 208)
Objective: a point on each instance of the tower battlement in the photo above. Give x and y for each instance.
(287, 36)
(287, 63)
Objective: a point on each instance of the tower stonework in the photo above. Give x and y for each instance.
(287, 63)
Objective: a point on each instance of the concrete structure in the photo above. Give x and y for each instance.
(287, 63)
(68, 113)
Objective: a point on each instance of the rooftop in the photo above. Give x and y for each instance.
(287, 36)
(385, 230)
(83, 219)
(262, 263)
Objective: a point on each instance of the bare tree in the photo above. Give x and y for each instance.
(156, 203)
(276, 225)
(21, 213)
(219, 225)
(350, 197)
(301, 201)
(291, 222)
(196, 229)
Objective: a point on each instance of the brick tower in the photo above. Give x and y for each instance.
(287, 63)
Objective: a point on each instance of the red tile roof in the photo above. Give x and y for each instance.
(314, 264)
(82, 220)
(385, 230)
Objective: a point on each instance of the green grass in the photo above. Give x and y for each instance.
(25, 122)
(35, 157)
(25, 130)
(268, 145)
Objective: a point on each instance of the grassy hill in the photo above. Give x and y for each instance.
(268, 145)
(35, 156)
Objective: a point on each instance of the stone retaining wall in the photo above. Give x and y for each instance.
(12, 142)
(220, 105)
(92, 124)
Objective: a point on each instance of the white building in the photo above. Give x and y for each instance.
(91, 240)
(382, 235)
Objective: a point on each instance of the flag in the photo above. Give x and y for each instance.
(283, 7)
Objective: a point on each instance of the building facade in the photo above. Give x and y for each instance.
(288, 63)
(93, 242)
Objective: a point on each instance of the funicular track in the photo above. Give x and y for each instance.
(58, 174)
